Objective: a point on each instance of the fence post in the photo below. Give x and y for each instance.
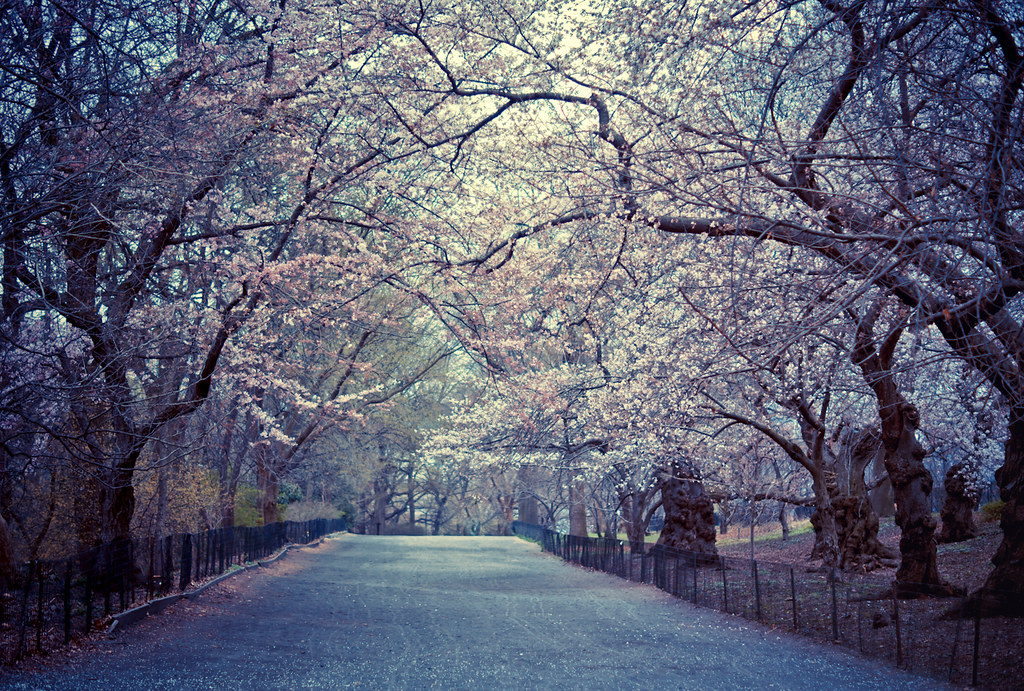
(694, 572)
(757, 592)
(977, 642)
(67, 602)
(220, 548)
(106, 561)
(167, 581)
(23, 618)
(956, 640)
(186, 561)
(835, 604)
(39, 611)
(675, 574)
(88, 595)
(123, 556)
(725, 590)
(896, 623)
(792, 592)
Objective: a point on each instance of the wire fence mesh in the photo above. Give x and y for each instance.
(46, 604)
(942, 638)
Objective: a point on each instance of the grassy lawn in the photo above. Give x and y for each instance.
(650, 537)
(740, 534)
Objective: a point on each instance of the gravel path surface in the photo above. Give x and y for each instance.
(448, 613)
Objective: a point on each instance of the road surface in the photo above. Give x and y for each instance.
(372, 612)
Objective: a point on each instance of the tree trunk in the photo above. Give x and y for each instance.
(118, 505)
(227, 472)
(528, 510)
(912, 485)
(904, 461)
(7, 565)
(1006, 582)
(600, 525)
(577, 509)
(784, 520)
(435, 527)
(633, 522)
(958, 507)
(725, 516)
(689, 514)
(160, 519)
(380, 499)
(856, 520)
(823, 520)
(881, 496)
(268, 484)
(857, 527)
(506, 512)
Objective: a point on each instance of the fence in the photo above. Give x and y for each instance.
(943, 638)
(44, 604)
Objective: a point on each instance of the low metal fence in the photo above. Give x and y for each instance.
(45, 604)
(944, 638)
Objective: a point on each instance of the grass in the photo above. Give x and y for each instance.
(740, 534)
(650, 537)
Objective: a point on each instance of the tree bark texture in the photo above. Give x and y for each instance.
(6, 552)
(881, 496)
(1006, 582)
(912, 485)
(528, 509)
(958, 507)
(856, 520)
(689, 515)
(857, 526)
(918, 573)
(823, 520)
(268, 483)
(577, 509)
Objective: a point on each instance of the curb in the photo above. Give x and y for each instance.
(130, 616)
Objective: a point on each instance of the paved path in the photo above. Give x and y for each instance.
(449, 613)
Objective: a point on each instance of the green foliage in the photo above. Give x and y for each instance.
(247, 512)
(289, 493)
(992, 511)
(309, 510)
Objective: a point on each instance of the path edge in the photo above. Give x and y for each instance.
(135, 614)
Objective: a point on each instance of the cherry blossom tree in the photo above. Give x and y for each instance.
(519, 173)
(883, 141)
(156, 173)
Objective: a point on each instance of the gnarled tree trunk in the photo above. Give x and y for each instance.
(856, 520)
(689, 513)
(958, 507)
(904, 462)
(823, 520)
(6, 552)
(1006, 582)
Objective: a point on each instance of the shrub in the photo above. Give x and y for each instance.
(992, 511)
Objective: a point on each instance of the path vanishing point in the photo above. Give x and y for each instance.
(366, 612)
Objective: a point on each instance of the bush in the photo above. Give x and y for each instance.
(992, 511)
(246, 512)
(309, 510)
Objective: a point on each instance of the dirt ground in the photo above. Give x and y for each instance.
(966, 565)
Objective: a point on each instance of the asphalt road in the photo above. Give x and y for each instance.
(449, 613)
